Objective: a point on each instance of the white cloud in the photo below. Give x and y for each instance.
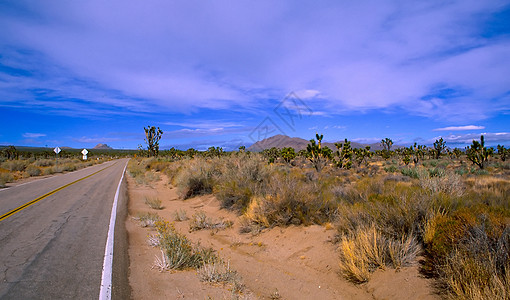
(489, 137)
(460, 128)
(181, 56)
(33, 135)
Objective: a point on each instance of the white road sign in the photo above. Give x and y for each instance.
(57, 150)
(84, 151)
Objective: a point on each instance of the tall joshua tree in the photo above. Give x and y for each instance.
(152, 137)
(439, 146)
(478, 154)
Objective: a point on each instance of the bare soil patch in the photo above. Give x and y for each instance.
(295, 262)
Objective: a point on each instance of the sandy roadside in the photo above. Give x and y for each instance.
(290, 263)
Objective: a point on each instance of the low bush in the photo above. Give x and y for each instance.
(32, 170)
(197, 178)
(5, 178)
(153, 202)
(15, 165)
(179, 253)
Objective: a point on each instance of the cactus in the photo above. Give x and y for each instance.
(478, 154)
(317, 155)
(344, 153)
(439, 146)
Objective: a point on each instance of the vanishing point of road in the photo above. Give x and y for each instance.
(55, 247)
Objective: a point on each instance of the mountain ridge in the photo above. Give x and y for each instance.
(282, 141)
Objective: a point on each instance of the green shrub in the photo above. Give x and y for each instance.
(32, 170)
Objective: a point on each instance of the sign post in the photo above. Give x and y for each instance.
(57, 151)
(84, 152)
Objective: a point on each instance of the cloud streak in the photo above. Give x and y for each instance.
(460, 128)
(182, 56)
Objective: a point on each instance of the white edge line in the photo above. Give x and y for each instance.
(106, 279)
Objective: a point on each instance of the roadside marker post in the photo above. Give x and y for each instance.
(84, 152)
(57, 151)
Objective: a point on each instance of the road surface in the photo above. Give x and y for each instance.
(54, 248)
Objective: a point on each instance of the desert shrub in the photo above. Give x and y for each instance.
(441, 181)
(44, 163)
(148, 219)
(290, 199)
(197, 177)
(241, 177)
(469, 250)
(153, 202)
(220, 272)
(200, 221)
(15, 165)
(367, 249)
(32, 170)
(179, 253)
(180, 215)
(410, 172)
(5, 178)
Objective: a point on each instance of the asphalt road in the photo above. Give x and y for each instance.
(54, 249)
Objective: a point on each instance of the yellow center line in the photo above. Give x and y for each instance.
(12, 212)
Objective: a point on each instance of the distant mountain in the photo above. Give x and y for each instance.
(281, 141)
(102, 147)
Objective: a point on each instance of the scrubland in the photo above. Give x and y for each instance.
(445, 215)
(16, 169)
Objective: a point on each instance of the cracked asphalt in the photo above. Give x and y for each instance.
(54, 248)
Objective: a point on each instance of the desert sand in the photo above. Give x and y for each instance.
(295, 262)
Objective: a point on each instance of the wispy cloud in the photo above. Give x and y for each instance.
(33, 135)
(460, 128)
(491, 138)
(409, 54)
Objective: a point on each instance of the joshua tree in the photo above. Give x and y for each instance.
(152, 137)
(386, 143)
(288, 154)
(318, 155)
(362, 155)
(503, 152)
(478, 154)
(344, 153)
(439, 146)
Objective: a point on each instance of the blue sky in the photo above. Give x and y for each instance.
(227, 73)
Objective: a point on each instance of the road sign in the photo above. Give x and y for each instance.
(57, 150)
(84, 152)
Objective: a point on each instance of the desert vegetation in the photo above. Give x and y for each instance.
(444, 209)
(26, 162)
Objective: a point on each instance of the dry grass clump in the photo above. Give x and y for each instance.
(180, 215)
(148, 219)
(178, 253)
(200, 221)
(441, 181)
(220, 272)
(197, 178)
(153, 202)
(367, 249)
